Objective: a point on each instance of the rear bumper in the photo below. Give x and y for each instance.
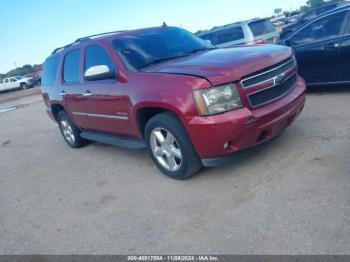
(216, 138)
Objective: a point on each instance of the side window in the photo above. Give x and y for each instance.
(309, 16)
(13, 79)
(6, 80)
(326, 28)
(50, 71)
(213, 37)
(71, 67)
(1, 82)
(96, 55)
(231, 34)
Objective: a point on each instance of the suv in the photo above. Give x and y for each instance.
(15, 82)
(189, 103)
(250, 32)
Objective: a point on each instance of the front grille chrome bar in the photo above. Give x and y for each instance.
(268, 75)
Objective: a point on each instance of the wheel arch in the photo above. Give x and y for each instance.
(144, 113)
(55, 109)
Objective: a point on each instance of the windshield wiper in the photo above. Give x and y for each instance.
(202, 49)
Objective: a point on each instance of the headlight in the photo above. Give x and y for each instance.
(217, 99)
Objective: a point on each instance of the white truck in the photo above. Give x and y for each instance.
(15, 82)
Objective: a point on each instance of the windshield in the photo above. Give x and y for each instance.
(148, 48)
(18, 77)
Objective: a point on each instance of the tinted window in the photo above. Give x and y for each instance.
(71, 67)
(6, 80)
(150, 47)
(213, 37)
(225, 35)
(323, 29)
(313, 14)
(97, 55)
(261, 27)
(50, 71)
(13, 79)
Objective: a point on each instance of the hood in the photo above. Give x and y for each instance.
(225, 65)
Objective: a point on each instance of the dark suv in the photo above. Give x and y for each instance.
(189, 103)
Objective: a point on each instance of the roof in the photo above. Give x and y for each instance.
(232, 24)
(104, 36)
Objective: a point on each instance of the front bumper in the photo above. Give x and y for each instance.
(216, 138)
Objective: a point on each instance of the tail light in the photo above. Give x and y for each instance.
(257, 42)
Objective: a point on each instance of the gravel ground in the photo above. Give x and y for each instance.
(289, 196)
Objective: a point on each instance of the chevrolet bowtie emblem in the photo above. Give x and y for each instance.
(280, 78)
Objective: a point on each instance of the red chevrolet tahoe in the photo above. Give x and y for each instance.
(189, 103)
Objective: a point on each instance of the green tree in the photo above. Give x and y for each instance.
(315, 3)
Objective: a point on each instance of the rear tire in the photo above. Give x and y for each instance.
(170, 147)
(69, 131)
(24, 86)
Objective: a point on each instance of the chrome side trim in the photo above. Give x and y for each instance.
(328, 83)
(101, 116)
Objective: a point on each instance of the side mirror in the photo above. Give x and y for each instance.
(99, 72)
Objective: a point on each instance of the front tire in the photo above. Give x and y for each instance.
(24, 86)
(69, 131)
(170, 147)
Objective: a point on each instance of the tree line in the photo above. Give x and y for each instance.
(24, 70)
(313, 4)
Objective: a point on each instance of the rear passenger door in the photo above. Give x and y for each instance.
(6, 84)
(71, 89)
(107, 105)
(317, 49)
(13, 83)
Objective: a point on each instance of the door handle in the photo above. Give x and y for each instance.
(331, 46)
(62, 93)
(87, 93)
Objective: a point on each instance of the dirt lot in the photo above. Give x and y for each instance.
(289, 196)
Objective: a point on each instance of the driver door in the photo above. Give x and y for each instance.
(107, 105)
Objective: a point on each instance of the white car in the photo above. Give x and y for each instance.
(257, 31)
(15, 82)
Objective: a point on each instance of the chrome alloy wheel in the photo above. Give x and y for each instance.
(166, 149)
(67, 131)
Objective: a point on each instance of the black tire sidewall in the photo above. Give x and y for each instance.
(78, 142)
(190, 161)
(24, 86)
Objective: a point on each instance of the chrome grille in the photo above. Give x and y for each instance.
(268, 95)
(268, 75)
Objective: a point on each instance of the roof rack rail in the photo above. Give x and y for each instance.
(85, 38)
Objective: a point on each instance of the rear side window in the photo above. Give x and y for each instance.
(97, 55)
(71, 67)
(226, 35)
(261, 27)
(50, 71)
